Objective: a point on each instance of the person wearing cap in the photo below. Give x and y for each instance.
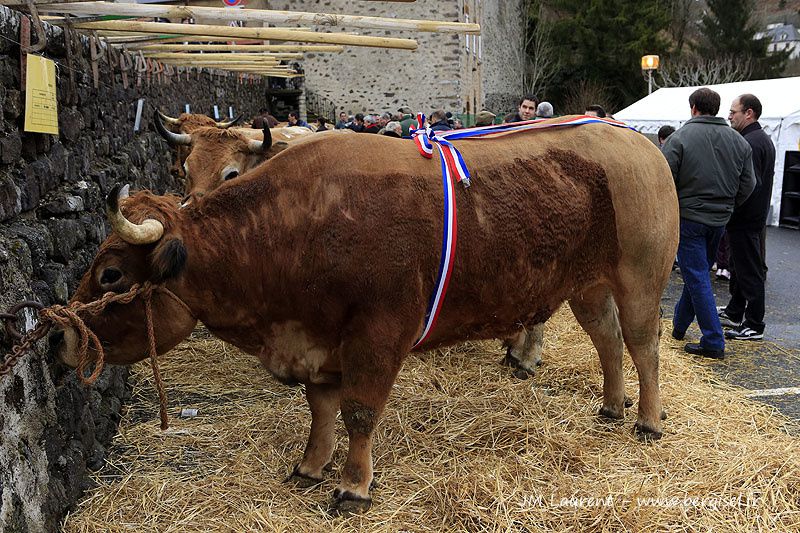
(406, 120)
(484, 118)
(544, 110)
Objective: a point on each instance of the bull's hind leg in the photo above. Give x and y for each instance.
(324, 403)
(640, 321)
(596, 312)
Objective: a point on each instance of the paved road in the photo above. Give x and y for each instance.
(775, 361)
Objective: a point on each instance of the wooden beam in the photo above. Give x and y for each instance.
(274, 49)
(279, 34)
(261, 15)
(214, 56)
(234, 56)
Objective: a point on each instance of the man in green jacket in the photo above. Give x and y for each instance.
(713, 170)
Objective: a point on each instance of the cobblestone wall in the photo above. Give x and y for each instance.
(438, 74)
(51, 221)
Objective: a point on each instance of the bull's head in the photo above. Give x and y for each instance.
(219, 155)
(149, 248)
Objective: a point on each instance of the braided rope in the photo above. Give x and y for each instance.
(68, 316)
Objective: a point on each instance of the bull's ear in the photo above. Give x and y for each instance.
(168, 259)
(277, 148)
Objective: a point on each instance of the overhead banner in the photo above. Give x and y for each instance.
(41, 107)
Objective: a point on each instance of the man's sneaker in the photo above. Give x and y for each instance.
(726, 321)
(723, 273)
(744, 334)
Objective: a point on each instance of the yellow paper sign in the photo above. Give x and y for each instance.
(41, 108)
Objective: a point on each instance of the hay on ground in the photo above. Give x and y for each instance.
(462, 445)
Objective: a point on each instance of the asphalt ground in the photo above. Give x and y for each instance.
(773, 363)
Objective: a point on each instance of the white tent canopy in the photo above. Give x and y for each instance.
(780, 116)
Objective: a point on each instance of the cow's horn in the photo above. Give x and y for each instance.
(172, 138)
(230, 123)
(261, 147)
(168, 119)
(148, 231)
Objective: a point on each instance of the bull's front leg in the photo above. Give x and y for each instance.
(369, 370)
(324, 403)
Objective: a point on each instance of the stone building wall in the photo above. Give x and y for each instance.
(440, 73)
(52, 428)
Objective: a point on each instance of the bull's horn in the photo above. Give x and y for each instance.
(168, 119)
(226, 125)
(172, 138)
(148, 231)
(261, 147)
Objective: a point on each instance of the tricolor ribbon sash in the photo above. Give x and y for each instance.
(453, 166)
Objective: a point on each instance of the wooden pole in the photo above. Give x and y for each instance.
(278, 34)
(274, 48)
(260, 15)
(221, 55)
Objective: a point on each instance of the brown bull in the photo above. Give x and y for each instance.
(218, 155)
(187, 123)
(324, 270)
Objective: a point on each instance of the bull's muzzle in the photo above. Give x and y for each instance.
(63, 346)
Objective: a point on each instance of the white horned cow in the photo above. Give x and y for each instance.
(324, 271)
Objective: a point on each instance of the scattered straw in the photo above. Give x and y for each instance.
(462, 446)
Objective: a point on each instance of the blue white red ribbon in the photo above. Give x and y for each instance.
(453, 167)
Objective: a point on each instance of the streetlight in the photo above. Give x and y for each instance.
(649, 63)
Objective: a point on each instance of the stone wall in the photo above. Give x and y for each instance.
(51, 221)
(440, 73)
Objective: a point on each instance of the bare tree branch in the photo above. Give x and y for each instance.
(694, 71)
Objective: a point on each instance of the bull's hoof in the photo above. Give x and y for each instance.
(611, 414)
(521, 373)
(646, 434)
(663, 415)
(509, 360)
(627, 402)
(346, 503)
(302, 480)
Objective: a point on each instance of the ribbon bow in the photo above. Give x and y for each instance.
(453, 165)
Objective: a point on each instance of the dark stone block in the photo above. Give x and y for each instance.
(28, 187)
(38, 239)
(55, 277)
(10, 147)
(70, 124)
(12, 104)
(95, 227)
(42, 171)
(10, 202)
(67, 235)
(62, 203)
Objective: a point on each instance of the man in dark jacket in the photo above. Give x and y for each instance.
(526, 109)
(712, 167)
(746, 229)
(439, 121)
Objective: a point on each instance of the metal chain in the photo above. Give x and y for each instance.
(18, 350)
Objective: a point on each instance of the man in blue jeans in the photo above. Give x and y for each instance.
(712, 166)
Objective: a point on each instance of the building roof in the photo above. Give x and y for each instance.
(780, 33)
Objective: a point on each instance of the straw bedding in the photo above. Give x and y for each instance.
(462, 446)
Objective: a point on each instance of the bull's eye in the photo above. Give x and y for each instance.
(232, 174)
(109, 277)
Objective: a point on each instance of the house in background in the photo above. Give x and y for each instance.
(782, 37)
